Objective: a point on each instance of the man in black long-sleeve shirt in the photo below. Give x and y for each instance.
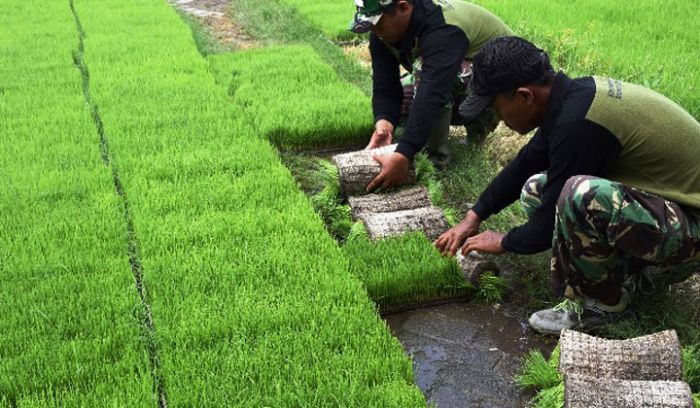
(611, 181)
(433, 40)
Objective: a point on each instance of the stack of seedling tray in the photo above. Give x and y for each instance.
(397, 212)
(643, 372)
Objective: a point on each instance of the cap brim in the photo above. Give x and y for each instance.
(472, 107)
(362, 24)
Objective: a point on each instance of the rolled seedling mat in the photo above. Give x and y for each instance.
(406, 199)
(652, 358)
(429, 220)
(357, 169)
(474, 265)
(581, 391)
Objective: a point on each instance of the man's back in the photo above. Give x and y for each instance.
(478, 24)
(660, 142)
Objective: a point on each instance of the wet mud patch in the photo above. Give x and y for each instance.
(466, 354)
(214, 16)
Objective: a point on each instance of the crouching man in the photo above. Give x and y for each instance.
(610, 181)
(434, 41)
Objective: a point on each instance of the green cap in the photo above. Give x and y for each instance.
(368, 14)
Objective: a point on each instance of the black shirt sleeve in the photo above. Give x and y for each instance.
(577, 148)
(505, 188)
(387, 93)
(442, 51)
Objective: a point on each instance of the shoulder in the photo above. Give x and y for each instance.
(577, 102)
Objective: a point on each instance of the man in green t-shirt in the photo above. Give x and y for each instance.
(434, 41)
(610, 181)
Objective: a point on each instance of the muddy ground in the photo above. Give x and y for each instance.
(213, 15)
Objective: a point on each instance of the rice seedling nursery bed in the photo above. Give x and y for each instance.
(71, 326)
(252, 300)
(293, 98)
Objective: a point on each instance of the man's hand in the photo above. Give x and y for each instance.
(383, 132)
(394, 171)
(449, 242)
(488, 242)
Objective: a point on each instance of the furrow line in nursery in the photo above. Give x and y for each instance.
(253, 300)
(71, 317)
(132, 241)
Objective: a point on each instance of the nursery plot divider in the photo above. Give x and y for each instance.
(132, 241)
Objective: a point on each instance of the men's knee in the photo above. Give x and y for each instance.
(531, 194)
(533, 186)
(586, 196)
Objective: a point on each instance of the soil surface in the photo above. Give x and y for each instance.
(466, 354)
(215, 16)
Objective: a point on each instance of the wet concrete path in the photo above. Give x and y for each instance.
(466, 354)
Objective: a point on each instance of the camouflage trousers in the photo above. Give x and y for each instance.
(606, 234)
(437, 146)
(411, 81)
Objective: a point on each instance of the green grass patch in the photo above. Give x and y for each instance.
(293, 98)
(71, 326)
(253, 301)
(691, 366)
(647, 42)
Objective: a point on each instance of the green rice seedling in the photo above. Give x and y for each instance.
(696, 400)
(332, 17)
(293, 98)
(253, 301)
(427, 175)
(394, 270)
(358, 232)
(542, 375)
(588, 37)
(491, 288)
(539, 372)
(328, 202)
(549, 398)
(274, 22)
(691, 366)
(403, 269)
(71, 316)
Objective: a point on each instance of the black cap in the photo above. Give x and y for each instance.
(503, 64)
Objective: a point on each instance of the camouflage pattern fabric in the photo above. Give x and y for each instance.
(411, 80)
(605, 233)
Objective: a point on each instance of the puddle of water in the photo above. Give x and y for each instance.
(466, 355)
